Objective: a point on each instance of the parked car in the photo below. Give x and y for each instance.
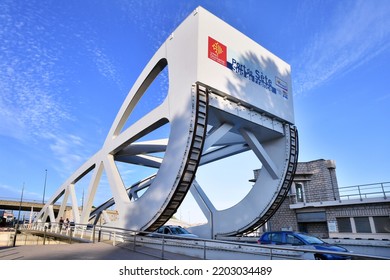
(176, 231)
(301, 239)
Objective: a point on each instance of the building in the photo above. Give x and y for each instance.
(318, 206)
(6, 217)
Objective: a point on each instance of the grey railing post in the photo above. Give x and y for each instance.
(204, 249)
(360, 195)
(16, 232)
(44, 235)
(163, 247)
(93, 233)
(383, 190)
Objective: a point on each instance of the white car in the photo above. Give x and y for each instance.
(176, 231)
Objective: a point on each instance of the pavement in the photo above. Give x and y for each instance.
(85, 251)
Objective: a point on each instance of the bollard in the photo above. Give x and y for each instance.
(204, 250)
(162, 249)
(44, 235)
(16, 232)
(93, 234)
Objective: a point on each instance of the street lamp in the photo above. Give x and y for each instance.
(17, 221)
(20, 204)
(44, 188)
(82, 202)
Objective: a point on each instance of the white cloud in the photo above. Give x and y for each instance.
(29, 85)
(153, 17)
(104, 64)
(357, 32)
(7, 190)
(69, 150)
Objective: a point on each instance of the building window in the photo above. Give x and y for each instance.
(344, 224)
(382, 224)
(362, 225)
(299, 192)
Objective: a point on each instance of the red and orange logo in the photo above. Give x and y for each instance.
(217, 51)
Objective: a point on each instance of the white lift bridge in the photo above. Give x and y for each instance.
(226, 95)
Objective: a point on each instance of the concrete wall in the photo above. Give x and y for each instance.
(321, 184)
(6, 239)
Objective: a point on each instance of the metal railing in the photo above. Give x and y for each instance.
(72, 232)
(376, 190)
(17, 199)
(198, 248)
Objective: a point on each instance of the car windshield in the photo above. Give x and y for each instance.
(310, 239)
(179, 230)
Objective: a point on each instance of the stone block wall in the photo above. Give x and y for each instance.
(320, 183)
(363, 210)
(283, 218)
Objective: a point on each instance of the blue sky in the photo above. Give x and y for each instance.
(67, 66)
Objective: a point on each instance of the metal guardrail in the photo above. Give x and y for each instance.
(18, 199)
(72, 232)
(165, 243)
(376, 190)
(24, 201)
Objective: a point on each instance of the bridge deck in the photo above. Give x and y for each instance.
(24, 206)
(84, 251)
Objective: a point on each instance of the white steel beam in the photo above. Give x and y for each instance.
(223, 152)
(261, 153)
(93, 185)
(116, 184)
(144, 160)
(216, 134)
(137, 148)
(50, 210)
(201, 198)
(75, 206)
(63, 205)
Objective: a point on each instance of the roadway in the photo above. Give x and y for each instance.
(85, 251)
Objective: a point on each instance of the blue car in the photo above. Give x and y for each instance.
(301, 239)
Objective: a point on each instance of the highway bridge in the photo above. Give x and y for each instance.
(25, 205)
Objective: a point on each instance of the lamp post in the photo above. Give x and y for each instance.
(20, 204)
(17, 221)
(44, 188)
(82, 202)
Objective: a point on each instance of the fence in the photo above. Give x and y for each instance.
(164, 244)
(377, 190)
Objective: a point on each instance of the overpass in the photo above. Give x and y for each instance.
(25, 205)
